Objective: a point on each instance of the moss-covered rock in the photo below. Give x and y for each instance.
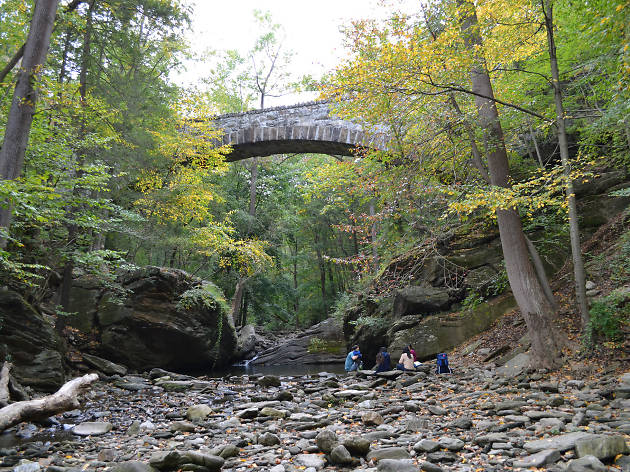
(440, 333)
(168, 319)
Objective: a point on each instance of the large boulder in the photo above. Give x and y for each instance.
(421, 300)
(167, 319)
(246, 342)
(439, 333)
(29, 340)
(322, 343)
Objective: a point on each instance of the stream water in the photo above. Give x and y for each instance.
(286, 369)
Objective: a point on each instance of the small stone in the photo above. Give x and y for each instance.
(198, 412)
(357, 446)
(268, 411)
(589, 285)
(442, 456)
(437, 410)
(182, 426)
(310, 460)
(426, 445)
(95, 428)
(452, 444)
(371, 418)
(27, 466)
(562, 443)
(548, 456)
(107, 455)
(248, 413)
(461, 423)
(602, 447)
(586, 464)
(388, 453)
(326, 441)
(269, 381)
(394, 465)
(146, 426)
(229, 451)
(268, 439)
(340, 455)
(429, 467)
(132, 466)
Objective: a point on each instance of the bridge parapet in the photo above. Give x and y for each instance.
(304, 128)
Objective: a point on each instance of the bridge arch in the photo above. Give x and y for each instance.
(303, 128)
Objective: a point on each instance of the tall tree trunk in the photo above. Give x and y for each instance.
(527, 290)
(243, 320)
(533, 136)
(20, 117)
(296, 300)
(373, 237)
(20, 52)
(574, 229)
(237, 302)
(322, 269)
(73, 229)
(252, 189)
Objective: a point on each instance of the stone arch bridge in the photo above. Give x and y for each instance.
(304, 128)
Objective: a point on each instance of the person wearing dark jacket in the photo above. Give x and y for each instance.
(383, 361)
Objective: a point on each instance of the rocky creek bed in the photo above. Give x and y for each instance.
(472, 420)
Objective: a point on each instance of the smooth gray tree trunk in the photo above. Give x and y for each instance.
(574, 229)
(24, 101)
(528, 292)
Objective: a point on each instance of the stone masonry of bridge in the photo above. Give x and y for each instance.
(304, 128)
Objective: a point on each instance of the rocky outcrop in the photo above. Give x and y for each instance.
(439, 333)
(427, 312)
(246, 342)
(167, 318)
(29, 341)
(422, 299)
(320, 344)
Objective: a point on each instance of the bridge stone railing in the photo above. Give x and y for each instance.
(303, 128)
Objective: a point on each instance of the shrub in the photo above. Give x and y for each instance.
(608, 316)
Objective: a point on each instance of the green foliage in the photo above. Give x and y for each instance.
(316, 345)
(206, 297)
(473, 300)
(370, 322)
(344, 301)
(609, 315)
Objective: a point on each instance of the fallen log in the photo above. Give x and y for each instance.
(63, 399)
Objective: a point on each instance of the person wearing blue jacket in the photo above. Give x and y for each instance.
(353, 359)
(383, 361)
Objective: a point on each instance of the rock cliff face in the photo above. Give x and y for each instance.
(168, 319)
(28, 339)
(427, 311)
(320, 344)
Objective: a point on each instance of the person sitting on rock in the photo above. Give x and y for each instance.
(383, 361)
(406, 361)
(412, 352)
(353, 359)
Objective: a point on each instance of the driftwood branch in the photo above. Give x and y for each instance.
(63, 400)
(4, 384)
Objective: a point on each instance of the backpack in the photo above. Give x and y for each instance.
(442, 364)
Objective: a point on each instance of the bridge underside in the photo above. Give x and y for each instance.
(294, 146)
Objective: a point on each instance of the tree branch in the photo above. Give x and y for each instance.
(20, 52)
